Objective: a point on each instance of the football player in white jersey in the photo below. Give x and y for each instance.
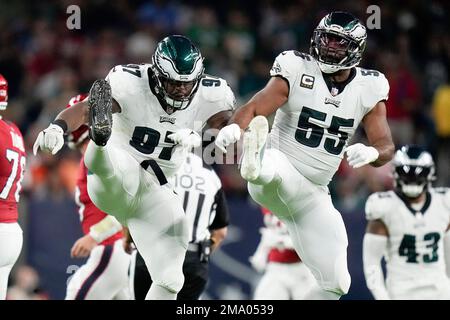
(142, 120)
(409, 226)
(319, 100)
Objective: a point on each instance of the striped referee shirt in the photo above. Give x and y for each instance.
(202, 197)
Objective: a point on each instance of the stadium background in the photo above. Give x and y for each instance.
(46, 64)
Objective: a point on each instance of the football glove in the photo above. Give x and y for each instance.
(359, 155)
(228, 135)
(49, 140)
(187, 138)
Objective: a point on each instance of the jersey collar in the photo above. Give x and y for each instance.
(425, 207)
(338, 86)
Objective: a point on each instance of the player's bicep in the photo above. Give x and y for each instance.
(271, 97)
(75, 116)
(379, 134)
(378, 227)
(376, 125)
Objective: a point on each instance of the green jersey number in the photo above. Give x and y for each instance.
(408, 248)
(311, 134)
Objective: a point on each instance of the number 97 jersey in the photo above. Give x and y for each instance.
(315, 124)
(12, 166)
(143, 126)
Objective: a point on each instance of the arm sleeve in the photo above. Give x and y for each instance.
(374, 247)
(222, 216)
(105, 228)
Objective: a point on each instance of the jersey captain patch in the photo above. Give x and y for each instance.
(307, 81)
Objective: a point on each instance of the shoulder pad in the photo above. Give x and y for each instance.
(445, 193)
(376, 87)
(215, 89)
(126, 80)
(377, 205)
(289, 64)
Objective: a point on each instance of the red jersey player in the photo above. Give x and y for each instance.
(105, 274)
(285, 276)
(12, 165)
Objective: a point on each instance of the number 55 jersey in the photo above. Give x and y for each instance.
(314, 126)
(12, 166)
(415, 249)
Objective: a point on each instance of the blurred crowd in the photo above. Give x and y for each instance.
(46, 64)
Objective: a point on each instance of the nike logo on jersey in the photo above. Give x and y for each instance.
(167, 119)
(335, 103)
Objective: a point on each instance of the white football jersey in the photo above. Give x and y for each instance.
(314, 126)
(142, 126)
(197, 185)
(415, 247)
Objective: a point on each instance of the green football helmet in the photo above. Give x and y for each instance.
(177, 66)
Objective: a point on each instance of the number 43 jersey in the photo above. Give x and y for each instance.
(314, 126)
(415, 248)
(143, 126)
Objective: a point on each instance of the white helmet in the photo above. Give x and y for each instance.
(177, 67)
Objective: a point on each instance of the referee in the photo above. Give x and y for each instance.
(204, 203)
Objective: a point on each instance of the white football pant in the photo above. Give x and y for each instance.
(153, 214)
(437, 288)
(284, 281)
(104, 276)
(315, 226)
(11, 239)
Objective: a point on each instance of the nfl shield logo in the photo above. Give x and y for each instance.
(334, 91)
